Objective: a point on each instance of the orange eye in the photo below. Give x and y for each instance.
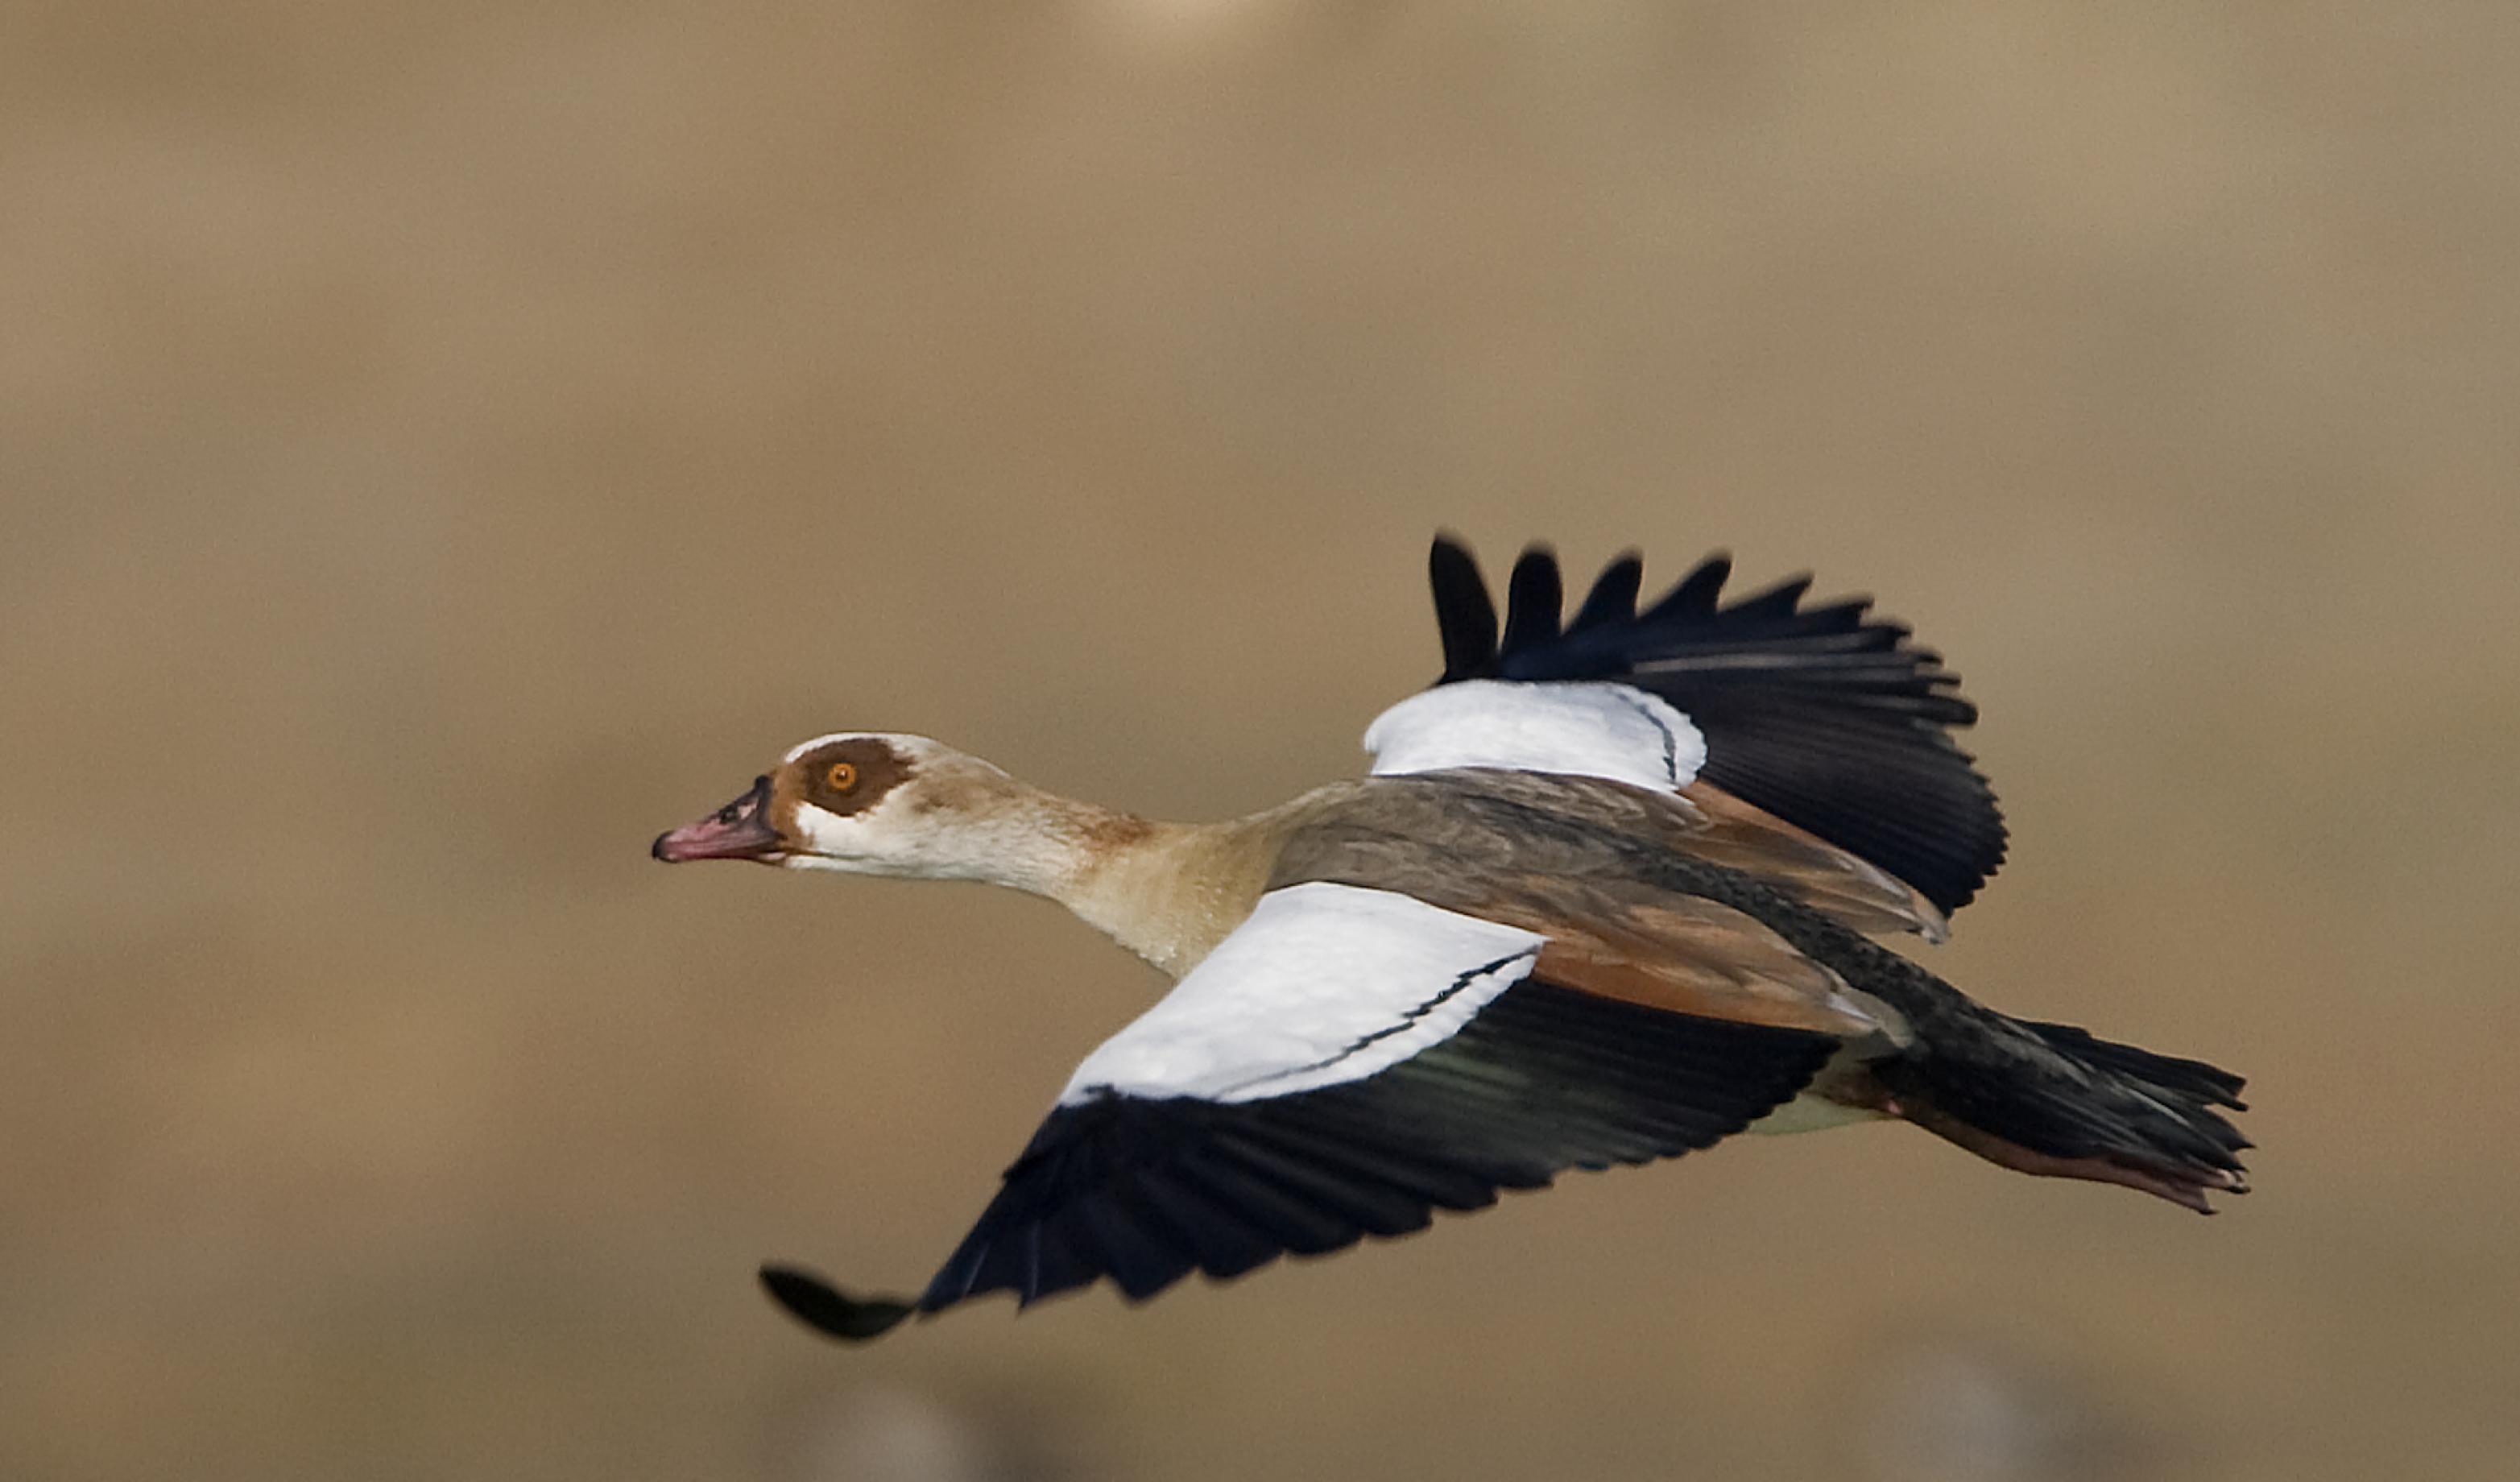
(841, 777)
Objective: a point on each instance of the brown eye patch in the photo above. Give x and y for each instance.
(850, 775)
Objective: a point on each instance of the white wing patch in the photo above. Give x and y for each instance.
(1324, 983)
(1616, 731)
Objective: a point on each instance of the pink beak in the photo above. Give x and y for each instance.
(742, 830)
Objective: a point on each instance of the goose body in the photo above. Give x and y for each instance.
(1609, 894)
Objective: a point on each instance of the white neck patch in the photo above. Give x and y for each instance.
(1616, 731)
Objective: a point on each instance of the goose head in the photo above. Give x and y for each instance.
(883, 804)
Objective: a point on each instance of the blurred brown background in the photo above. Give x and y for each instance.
(443, 445)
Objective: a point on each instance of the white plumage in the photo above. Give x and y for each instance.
(1616, 731)
(1324, 983)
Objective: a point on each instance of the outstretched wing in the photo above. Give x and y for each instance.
(1346, 1062)
(1824, 717)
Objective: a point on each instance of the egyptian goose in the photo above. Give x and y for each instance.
(1606, 896)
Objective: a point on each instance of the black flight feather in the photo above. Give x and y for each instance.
(1826, 716)
(821, 1306)
(1613, 598)
(1143, 1191)
(1533, 598)
(1463, 611)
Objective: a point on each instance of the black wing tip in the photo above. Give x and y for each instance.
(1465, 614)
(1613, 599)
(825, 1309)
(1811, 707)
(1694, 594)
(1535, 595)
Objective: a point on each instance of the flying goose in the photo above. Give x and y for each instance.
(1608, 895)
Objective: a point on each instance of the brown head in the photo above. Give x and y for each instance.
(875, 803)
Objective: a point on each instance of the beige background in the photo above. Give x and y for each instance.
(441, 446)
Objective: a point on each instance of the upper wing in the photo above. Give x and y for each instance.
(1346, 1062)
(1832, 722)
(1541, 745)
(1731, 832)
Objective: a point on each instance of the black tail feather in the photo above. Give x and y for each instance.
(2211, 1085)
(2056, 1100)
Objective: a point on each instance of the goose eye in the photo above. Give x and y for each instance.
(841, 777)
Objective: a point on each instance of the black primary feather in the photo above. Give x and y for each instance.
(1463, 612)
(1825, 716)
(821, 1306)
(1613, 598)
(1533, 598)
